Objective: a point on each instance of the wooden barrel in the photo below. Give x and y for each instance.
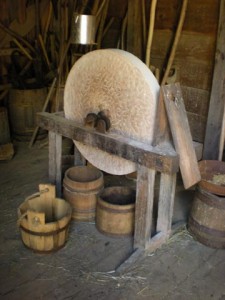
(44, 222)
(207, 219)
(212, 176)
(81, 186)
(23, 106)
(4, 127)
(115, 211)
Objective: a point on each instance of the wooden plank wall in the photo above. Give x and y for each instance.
(194, 60)
(215, 129)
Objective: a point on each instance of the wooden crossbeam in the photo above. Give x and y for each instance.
(160, 158)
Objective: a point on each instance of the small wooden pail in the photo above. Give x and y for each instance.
(207, 219)
(44, 220)
(115, 211)
(81, 186)
(212, 176)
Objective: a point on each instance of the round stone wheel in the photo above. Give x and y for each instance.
(119, 82)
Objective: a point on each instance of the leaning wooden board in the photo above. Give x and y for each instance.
(181, 134)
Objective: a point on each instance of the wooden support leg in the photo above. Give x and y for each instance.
(166, 203)
(165, 211)
(143, 214)
(55, 161)
(79, 160)
(144, 206)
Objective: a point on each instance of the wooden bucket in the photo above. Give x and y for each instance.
(212, 176)
(4, 127)
(44, 220)
(81, 186)
(115, 211)
(23, 106)
(207, 219)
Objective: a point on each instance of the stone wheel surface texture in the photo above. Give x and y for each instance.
(116, 81)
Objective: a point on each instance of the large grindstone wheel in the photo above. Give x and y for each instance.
(119, 82)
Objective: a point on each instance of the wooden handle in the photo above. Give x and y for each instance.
(21, 218)
(176, 40)
(150, 32)
(35, 218)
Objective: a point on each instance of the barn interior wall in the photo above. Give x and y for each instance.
(194, 60)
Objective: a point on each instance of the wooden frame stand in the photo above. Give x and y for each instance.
(160, 158)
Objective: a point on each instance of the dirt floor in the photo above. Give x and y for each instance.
(85, 268)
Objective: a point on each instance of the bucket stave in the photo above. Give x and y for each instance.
(207, 219)
(115, 211)
(81, 186)
(44, 221)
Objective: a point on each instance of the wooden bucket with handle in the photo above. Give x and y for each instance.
(44, 220)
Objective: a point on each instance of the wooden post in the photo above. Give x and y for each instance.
(134, 28)
(217, 98)
(144, 206)
(166, 203)
(55, 161)
(162, 132)
(79, 160)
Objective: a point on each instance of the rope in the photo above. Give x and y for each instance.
(35, 195)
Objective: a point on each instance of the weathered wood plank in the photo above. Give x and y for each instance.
(161, 158)
(192, 45)
(181, 134)
(156, 242)
(196, 100)
(197, 125)
(55, 161)
(51, 157)
(144, 206)
(130, 260)
(134, 28)
(166, 202)
(195, 73)
(217, 98)
(79, 160)
(197, 14)
(162, 131)
(190, 72)
(198, 150)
